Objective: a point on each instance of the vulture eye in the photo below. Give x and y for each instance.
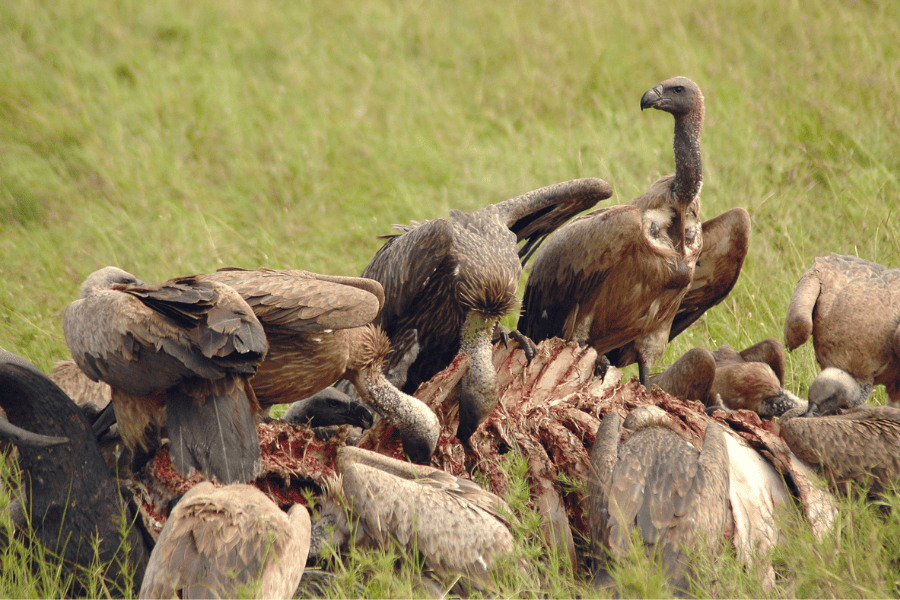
(654, 230)
(678, 89)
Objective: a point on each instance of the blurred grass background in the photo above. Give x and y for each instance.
(171, 138)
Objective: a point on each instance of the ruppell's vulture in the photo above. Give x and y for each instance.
(453, 279)
(628, 278)
(319, 330)
(228, 542)
(458, 527)
(179, 356)
(646, 476)
(70, 498)
(851, 307)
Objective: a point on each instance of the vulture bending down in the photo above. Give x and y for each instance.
(453, 279)
(626, 279)
(851, 307)
(648, 477)
(178, 356)
(861, 445)
(751, 379)
(228, 542)
(319, 330)
(70, 497)
(459, 528)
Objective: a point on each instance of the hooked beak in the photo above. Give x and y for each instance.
(651, 97)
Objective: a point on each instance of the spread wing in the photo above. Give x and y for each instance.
(564, 287)
(289, 301)
(536, 214)
(726, 239)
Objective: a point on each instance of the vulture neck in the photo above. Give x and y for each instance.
(688, 162)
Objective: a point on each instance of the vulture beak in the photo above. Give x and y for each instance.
(651, 97)
(20, 436)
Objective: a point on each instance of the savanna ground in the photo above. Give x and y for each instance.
(171, 138)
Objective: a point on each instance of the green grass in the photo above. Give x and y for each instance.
(171, 138)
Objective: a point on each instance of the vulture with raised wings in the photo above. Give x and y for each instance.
(458, 527)
(228, 542)
(851, 307)
(453, 279)
(646, 476)
(628, 278)
(179, 356)
(319, 329)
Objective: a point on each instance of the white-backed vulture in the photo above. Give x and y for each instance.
(861, 445)
(453, 279)
(648, 477)
(459, 528)
(70, 499)
(851, 307)
(178, 355)
(319, 329)
(628, 278)
(228, 542)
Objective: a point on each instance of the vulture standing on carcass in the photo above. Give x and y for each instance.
(648, 477)
(178, 356)
(319, 329)
(70, 498)
(458, 527)
(453, 279)
(861, 445)
(228, 542)
(627, 279)
(851, 307)
(751, 379)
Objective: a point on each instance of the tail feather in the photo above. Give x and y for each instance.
(212, 429)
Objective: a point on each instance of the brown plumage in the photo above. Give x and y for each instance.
(837, 300)
(319, 330)
(228, 542)
(732, 380)
(619, 278)
(177, 355)
(862, 445)
(453, 279)
(458, 527)
(91, 396)
(648, 477)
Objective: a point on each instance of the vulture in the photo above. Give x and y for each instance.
(751, 379)
(326, 408)
(861, 445)
(458, 527)
(228, 542)
(835, 300)
(646, 476)
(73, 502)
(179, 356)
(626, 279)
(453, 279)
(320, 328)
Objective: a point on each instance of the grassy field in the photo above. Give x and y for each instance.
(171, 138)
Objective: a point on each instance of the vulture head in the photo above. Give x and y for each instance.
(834, 389)
(678, 96)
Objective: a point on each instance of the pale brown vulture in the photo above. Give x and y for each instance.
(319, 330)
(453, 279)
(228, 542)
(178, 356)
(851, 307)
(628, 278)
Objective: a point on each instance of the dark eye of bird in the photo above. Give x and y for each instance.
(654, 230)
(678, 89)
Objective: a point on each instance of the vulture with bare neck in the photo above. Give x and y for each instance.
(628, 278)
(453, 279)
(851, 307)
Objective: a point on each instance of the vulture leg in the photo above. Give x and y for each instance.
(644, 374)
